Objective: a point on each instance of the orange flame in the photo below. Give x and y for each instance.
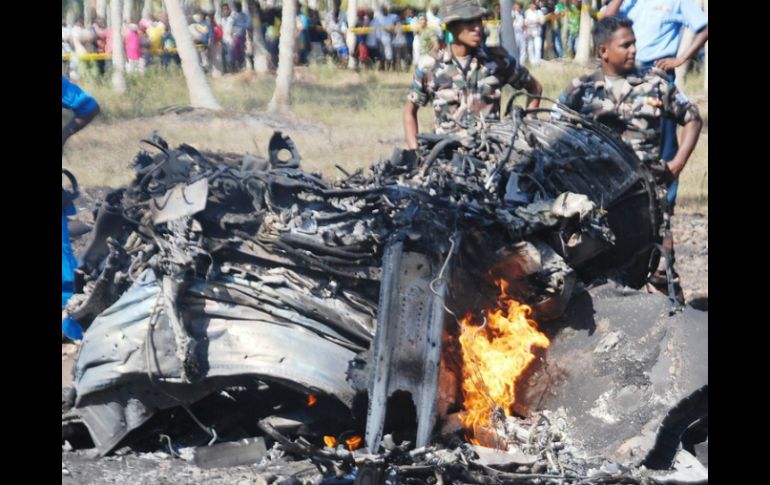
(495, 354)
(353, 442)
(330, 441)
(311, 400)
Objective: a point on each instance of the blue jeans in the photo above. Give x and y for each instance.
(669, 144)
(557, 43)
(70, 327)
(572, 38)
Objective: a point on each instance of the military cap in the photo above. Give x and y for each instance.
(454, 10)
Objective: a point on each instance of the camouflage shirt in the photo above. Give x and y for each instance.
(633, 108)
(464, 95)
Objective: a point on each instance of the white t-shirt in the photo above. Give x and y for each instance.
(533, 19)
(518, 23)
(227, 29)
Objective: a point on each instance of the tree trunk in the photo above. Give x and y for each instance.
(507, 39)
(118, 53)
(200, 92)
(261, 64)
(88, 8)
(147, 9)
(350, 38)
(128, 8)
(101, 8)
(706, 59)
(282, 94)
(583, 49)
(73, 11)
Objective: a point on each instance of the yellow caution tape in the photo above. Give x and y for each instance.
(101, 56)
(407, 28)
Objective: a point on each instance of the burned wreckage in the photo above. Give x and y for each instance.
(468, 312)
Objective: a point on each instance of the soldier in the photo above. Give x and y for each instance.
(464, 80)
(659, 26)
(634, 106)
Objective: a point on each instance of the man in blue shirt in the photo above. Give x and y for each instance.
(85, 108)
(658, 28)
(81, 103)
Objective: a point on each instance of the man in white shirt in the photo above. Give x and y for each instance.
(227, 36)
(533, 23)
(517, 15)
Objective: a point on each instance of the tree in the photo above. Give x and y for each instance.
(583, 49)
(350, 39)
(200, 92)
(261, 64)
(73, 11)
(101, 8)
(118, 53)
(282, 94)
(147, 9)
(506, 28)
(88, 9)
(189, 6)
(128, 10)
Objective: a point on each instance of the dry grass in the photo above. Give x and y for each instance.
(338, 117)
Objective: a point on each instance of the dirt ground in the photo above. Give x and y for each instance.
(691, 246)
(159, 468)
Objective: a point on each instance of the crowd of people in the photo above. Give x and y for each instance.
(222, 42)
(385, 39)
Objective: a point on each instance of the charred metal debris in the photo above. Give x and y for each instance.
(224, 291)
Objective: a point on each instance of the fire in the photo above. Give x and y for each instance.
(330, 441)
(495, 354)
(353, 442)
(311, 400)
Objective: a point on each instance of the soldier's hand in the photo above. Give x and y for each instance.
(668, 63)
(675, 168)
(662, 173)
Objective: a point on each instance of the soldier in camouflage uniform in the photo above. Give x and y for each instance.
(633, 105)
(465, 79)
